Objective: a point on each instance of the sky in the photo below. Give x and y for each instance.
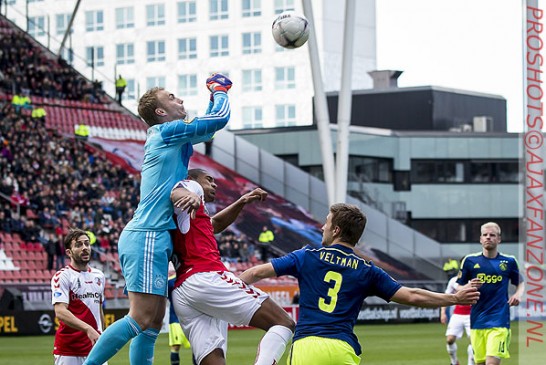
(473, 45)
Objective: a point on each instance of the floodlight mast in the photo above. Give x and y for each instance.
(335, 177)
(345, 104)
(321, 108)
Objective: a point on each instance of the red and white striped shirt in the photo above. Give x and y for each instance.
(83, 291)
(194, 244)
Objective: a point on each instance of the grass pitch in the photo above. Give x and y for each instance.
(400, 344)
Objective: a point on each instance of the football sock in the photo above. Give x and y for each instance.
(272, 345)
(141, 351)
(112, 340)
(185, 342)
(175, 358)
(470, 355)
(452, 351)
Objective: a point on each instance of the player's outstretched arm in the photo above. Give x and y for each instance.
(425, 298)
(201, 128)
(474, 283)
(258, 273)
(226, 216)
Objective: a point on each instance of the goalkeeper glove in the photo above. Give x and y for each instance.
(218, 82)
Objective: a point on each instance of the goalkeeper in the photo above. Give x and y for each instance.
(145, 244)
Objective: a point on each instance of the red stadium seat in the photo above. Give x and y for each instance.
(17, 238)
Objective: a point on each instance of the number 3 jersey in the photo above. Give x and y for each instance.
(492, 309)
(333, 284)
(83, 291)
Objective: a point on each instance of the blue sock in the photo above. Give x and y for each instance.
(141, 351)
(112, 340)
(175, 358)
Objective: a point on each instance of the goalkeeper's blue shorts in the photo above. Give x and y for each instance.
(144, 258)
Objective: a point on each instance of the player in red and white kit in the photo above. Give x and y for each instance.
(207, 296)
(78, 293)
(458, 322)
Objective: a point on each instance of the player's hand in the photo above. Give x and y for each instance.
(189, 203)
(218, 82)
(514, 300)
(255, 195)
(476, 283)
(93, 335)
(467, 295)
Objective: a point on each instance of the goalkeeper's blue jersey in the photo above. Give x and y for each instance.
(492, 309)
(333, 284)
(167, 152)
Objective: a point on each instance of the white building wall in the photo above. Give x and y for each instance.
(329, 27)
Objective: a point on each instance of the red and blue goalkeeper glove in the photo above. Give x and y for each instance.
(218, 82)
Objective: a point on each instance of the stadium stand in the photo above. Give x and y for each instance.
(29, 69)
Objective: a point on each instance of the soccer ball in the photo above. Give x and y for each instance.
(290, 30)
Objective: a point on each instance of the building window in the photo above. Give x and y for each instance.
(125, 18)
(61, 21)
(284, 5)
(285, 115)
(285, 78)
(36, 26)
(443, 171)
(94, 56)
(252, 117)
(252, 43)
(252, 80)
(187, 85)
(464, 230)
(125, 53)
(186, 12)
(94, 20)
(218, 9)
(155, 81)
(464, 171)
(279, 49)
(494, 172)
(370, 169)
(219, 46)
(130, 91)
(155, 51)
(155, 15)
(313, 170)
(251, 8)
(187, 48)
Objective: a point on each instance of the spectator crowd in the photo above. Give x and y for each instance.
(26, 69)
(50, 182)
(58, 182)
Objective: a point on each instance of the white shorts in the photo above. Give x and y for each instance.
(457, 323)
(206, 302)
(70, 360)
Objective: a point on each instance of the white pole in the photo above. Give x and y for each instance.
(345, 104)
(69, 27)
(321, 108)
